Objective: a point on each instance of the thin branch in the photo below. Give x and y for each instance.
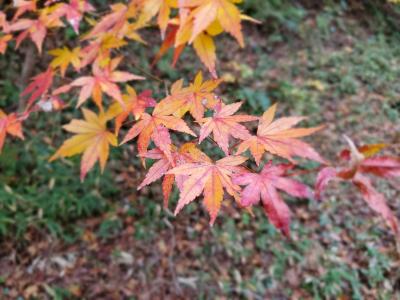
(26, 74)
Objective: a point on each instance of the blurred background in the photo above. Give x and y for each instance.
(337, 62)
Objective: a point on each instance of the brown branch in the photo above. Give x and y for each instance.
(26, 73)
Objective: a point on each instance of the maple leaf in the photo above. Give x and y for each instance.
(111, 30)
(23, 6)
(179, 35)
(155, 127)
(37, 29)
(158, 170)
(113, 22)
(210, 179)
(92, 139)
(100, 48)
(9, 124)
(197, 97)
(203, 43)
(162, 8)
(168, 43)
(182, 30)
(134, 104)
(39, 86)
(74, 12)
(383, 166)
(279, 138)
(361, 162)
(187, 153)
(205, 49)
(4, 42)
(264, 186)
(64, 57)
(223, 11)
(103, 80)
(365, 150)
(223, 125)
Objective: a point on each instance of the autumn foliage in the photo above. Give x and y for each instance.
(168, 131)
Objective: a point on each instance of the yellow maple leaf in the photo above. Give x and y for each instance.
(63, 57)
(223, 11)
(92, 139)
(195, 98)
(205, 49)
(160, 7)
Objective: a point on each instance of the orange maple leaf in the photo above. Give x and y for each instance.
(162, 8)
(198, 96)
(224, 12)
(187, 153)
(223, 125)
(155, 127)
(9, 124)
(210, 179)
(279, 138)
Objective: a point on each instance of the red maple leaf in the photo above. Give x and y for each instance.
(264, 186)
(361, 162)
(39, 86)
(134, 105)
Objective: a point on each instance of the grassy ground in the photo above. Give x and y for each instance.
(337, 64)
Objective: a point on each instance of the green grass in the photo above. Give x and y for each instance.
(35, 193)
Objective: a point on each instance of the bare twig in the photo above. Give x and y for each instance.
(27, 70)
